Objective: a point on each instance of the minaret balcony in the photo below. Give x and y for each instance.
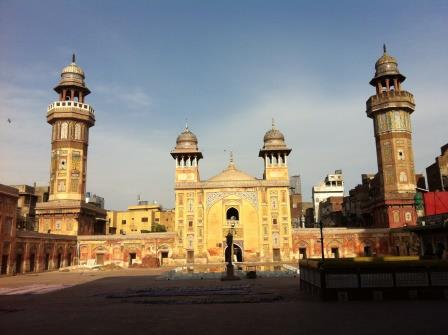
(65, 104)
(390, 100)
(71, 110)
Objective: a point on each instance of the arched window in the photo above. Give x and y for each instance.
(64, 130)
(403, 177)
(232, 214)
(77, 131)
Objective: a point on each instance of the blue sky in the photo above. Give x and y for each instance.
(227, 66)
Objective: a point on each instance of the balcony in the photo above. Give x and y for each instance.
(390, 99)
(65, 104)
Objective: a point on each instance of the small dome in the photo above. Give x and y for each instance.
(274, 139)
(72, 75)
(73, 68)
(187, 140)
(387, 65)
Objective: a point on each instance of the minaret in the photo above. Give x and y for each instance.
(187, 156)
(274, 154)
(391, 108)
(71, 119)
(66, 212)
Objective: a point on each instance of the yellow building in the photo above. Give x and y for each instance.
(256, 211)
(141, 218)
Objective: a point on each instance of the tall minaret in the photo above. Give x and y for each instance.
(66, 212)
(391, 108)
(274, 154)
(187, 156)
(71, 119)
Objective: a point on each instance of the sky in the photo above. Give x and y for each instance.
(228, 67)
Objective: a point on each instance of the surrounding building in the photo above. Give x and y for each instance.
(331, 186)
(148, 250)
(393, 203)
(255, 211)
(29, 196)
(23, 251)
(330, 212)
(66, 212)
(95, 200)
(8, 215)
(295, 201)
(437, 173)
(144, 217)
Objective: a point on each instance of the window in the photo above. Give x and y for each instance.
(64, 130)
(403, 177)
(190, 224)
(232, 214)
(367, 251)
(77, 131)
(400, 154)
(408, 216)
(144, 219)
(335, 252)
(274, 221)
(58, 225)
(302, 253)
(123, 221)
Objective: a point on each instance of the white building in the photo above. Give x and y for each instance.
(331, 186)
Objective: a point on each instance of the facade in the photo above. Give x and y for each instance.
(147, 250)
(255, 211)
(141, 218)
(390, 109)
(437, 173)
(295, 201)
(330, 212)
(331, 186)
(8, 216)
(94, 199)
(29, 196)
(66, 212)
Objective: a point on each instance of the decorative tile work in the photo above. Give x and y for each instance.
(213, 197)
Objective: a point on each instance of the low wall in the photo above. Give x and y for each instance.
(378, 279)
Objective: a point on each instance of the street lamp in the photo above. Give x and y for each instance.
(230, 273)
(321, 240)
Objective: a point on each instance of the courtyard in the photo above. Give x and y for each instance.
(143, 301)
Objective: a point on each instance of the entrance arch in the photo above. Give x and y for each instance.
(237, 254)
(232, 214)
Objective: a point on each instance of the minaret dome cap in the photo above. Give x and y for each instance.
(386, 66)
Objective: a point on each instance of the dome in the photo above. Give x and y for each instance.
(232, 173)
(73, 68)
(72, 75)
(187, 140)
(274, 139)
(386, 65)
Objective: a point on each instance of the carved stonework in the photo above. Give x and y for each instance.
(214, 197)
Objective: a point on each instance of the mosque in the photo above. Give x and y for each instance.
(256, 211)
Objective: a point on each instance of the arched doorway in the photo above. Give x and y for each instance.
(232, 214)
(237, 254)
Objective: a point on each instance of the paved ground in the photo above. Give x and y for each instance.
(135, 301)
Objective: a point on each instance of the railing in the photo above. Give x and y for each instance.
(390, 96)
(64, 104)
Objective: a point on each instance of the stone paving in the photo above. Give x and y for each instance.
(138, 301)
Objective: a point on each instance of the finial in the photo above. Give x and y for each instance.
(384, 47)
(186, 124)
(231, 157)
(73, 58)
(273, 123)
